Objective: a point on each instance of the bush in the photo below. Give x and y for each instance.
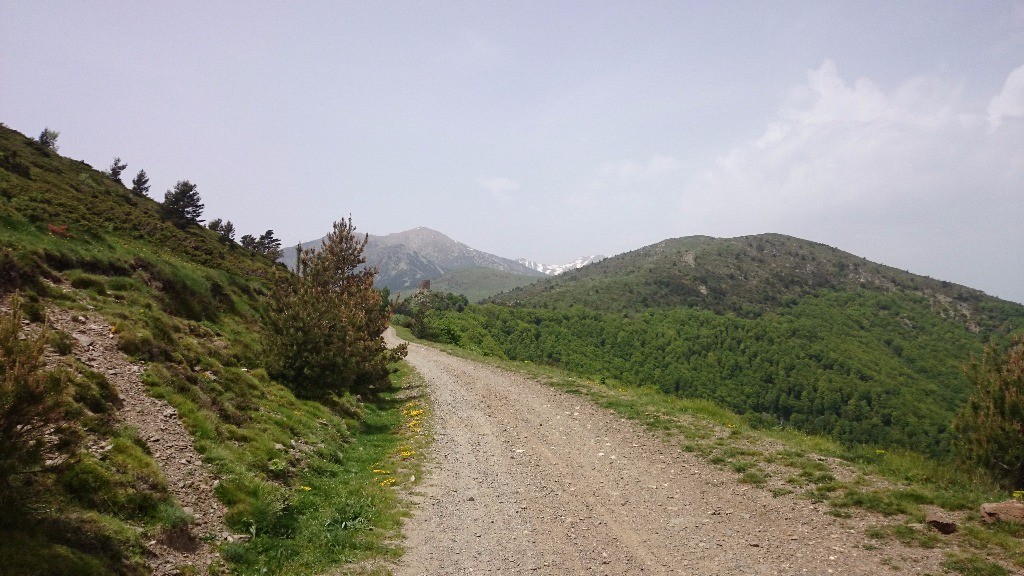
(61, 342)
(32, 307)
(32, 402)
(14, 165)
(990, 426)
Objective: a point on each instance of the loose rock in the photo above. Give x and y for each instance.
(1009, 511)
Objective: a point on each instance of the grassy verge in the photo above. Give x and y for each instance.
(322, 500)
(899, 485)
(309, 488)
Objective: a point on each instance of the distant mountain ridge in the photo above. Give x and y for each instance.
(744, 275)
(556, 269)
(405, 259)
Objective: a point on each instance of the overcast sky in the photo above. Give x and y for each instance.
(550, 130)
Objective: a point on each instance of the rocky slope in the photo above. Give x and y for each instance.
(188, 478)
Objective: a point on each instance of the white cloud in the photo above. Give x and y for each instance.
(886, 173)
(1009, 102)
(500, 188)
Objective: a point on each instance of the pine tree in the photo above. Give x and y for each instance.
(226, 230)
(324, 331)
(48, 138)
(182, 205)
(990, 426)
(140, 184)
(115, 170)
(266, 244)
(269, 246)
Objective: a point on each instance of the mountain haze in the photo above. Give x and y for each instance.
(404, 259)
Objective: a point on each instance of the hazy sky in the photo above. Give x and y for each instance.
(550, 130)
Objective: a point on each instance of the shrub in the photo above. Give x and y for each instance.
(61, 342)
(32, 401)
(14, 165)
(990, 426)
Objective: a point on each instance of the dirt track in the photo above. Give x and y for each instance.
(526, 479)
(188, 477)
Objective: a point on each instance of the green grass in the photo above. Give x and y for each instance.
(973, 565)
(296, 477)
(103, 509)
(343, 505)
(89, 511)
(908, 535)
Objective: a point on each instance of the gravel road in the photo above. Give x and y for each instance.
(527, 479)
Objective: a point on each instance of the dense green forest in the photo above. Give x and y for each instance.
(860, 365)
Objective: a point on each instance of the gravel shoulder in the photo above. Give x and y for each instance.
(526, 479)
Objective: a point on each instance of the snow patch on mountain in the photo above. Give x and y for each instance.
(555, 269)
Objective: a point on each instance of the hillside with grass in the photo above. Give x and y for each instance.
(786, 332)
(187, 305)
(746, 276)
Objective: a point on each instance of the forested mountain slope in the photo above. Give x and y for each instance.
(783, 330)
(747, 275)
